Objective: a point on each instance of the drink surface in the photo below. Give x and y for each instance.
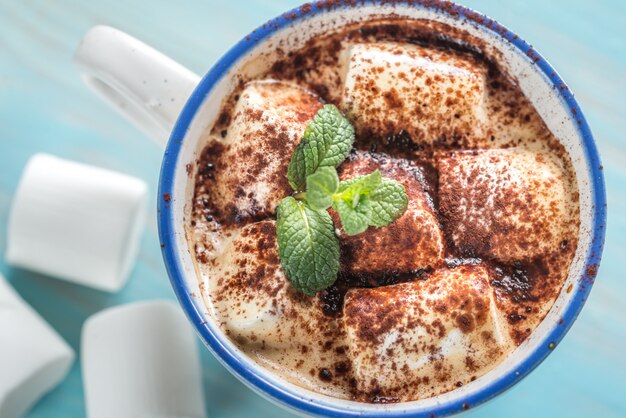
(434, 300)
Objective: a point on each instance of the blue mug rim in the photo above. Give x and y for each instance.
(293, 401)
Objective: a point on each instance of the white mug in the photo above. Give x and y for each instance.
(151, 89)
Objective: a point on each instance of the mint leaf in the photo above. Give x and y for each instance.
(320, 188)
(369, 200)
(351, 202)
(307, 246)
(354, 220)
(354, 190)
(388, 202)
(363, 185)
(326, 142)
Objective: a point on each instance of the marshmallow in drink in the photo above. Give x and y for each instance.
(141, 360)
(432, 95)
(33, 357)
(418, 339)
(268, 122)
(76, 222)
(412, 242)
(513, 204)
(252, 297)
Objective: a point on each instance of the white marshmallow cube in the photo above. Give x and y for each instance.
(433, 96)
(76, 222)
(141, 360)
(418, 339)
(33, 357)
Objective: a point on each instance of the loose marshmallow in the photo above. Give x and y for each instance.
(76, 222)
(254, 301)
(141, 360)
(418, 339)
(412, 242)
(268, 123)
(432, 95)
(512, 204)
(33, 357)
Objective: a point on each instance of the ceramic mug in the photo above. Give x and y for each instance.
(150, 89)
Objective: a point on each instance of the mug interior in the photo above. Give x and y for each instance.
(252, 56)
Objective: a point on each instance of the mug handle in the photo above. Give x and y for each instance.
(143, 84)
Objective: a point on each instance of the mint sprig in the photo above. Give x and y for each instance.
(326, 142)
(307, 245)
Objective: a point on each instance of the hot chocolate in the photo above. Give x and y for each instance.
(443, 294)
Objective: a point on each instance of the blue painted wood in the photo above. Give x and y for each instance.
(45, 107)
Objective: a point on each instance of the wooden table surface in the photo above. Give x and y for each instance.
(44, 107)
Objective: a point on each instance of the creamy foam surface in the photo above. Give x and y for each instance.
(443, 294)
